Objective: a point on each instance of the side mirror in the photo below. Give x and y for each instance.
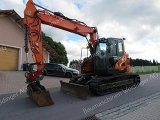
(63, 69)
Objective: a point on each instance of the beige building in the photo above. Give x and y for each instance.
(12, 54)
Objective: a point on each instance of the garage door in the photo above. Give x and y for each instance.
(8, 58)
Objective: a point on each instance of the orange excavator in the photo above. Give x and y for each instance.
(105, 70)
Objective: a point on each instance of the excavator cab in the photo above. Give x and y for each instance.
(108, 54)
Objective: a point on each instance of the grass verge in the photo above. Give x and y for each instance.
(143, 73)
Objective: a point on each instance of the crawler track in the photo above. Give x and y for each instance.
(102, 85)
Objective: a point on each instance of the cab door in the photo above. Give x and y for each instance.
(100, 58)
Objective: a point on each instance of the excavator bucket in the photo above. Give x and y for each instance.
(75, 89)
(42, 98)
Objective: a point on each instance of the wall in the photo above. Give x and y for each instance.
(12, 35)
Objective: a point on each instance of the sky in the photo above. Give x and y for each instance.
(136, 20)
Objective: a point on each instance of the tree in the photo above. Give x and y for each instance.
(154, 62)
(75, 64)
(142, 62)
(59, 48)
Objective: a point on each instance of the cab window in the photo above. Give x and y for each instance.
(120, 49)
(101, 49)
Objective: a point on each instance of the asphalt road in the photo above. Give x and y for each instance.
(69, 107)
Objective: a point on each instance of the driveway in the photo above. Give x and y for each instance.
(13, 81)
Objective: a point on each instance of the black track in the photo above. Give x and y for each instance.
(102, 85)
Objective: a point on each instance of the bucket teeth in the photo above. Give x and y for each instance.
(80, 91)
(42, 98)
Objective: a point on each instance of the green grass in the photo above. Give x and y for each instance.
(159, 68)
(143, 73)
(149, 72)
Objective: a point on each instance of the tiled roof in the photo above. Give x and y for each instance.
(13, 15)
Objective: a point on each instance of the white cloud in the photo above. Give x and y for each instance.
(137, 20)
(55, 34)
(17, 5)
(74, 48)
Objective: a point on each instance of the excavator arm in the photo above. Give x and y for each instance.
(33, 19)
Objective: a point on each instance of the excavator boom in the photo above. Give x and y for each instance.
(33, 19)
